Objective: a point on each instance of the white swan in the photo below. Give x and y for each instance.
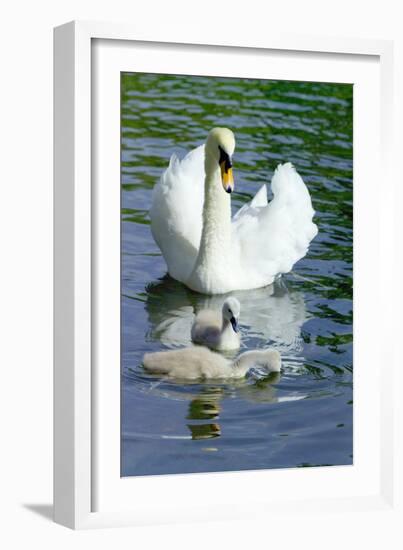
(191, 221)
(199, 362)
(218, 331)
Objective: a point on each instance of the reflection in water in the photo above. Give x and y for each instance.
(262, 390)
(269, 316)
(206, 400)
(206, 406)
(204, 431)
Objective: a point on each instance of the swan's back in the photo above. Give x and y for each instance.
(201, 363)
(189, 363)
(176, 212)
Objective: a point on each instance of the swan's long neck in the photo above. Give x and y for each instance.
(216, 233)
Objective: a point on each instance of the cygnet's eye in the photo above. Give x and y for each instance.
(229, 311)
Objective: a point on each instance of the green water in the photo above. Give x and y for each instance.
(304, 416)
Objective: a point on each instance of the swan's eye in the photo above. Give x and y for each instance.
(225, 160)
(229, 311)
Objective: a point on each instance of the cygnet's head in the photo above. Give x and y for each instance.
(220, 146)
(231, 310)
(273, 360)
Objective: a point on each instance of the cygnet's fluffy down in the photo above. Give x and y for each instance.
(201, 363)
(218, 330)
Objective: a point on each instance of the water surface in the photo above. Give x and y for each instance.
(302, 417)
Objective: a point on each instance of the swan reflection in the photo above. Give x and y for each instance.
(271, 315)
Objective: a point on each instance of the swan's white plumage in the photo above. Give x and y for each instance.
(270, 237)
(199, 362)
(267, 238)
(176, 212)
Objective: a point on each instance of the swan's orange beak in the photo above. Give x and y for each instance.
(227, 176)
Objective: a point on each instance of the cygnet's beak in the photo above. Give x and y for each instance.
(234, 324)
(227, 176)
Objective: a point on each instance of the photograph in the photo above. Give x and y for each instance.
(236, 274)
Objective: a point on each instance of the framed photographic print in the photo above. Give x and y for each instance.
(218, 244)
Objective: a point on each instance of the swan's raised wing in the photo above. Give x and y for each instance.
(259, 200)
(176, 212)
(269, 238)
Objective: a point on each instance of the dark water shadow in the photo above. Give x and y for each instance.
(43, 510)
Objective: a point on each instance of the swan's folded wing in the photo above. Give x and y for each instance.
(176, 212)
(270, 238)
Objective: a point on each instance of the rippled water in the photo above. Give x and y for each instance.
(302, 417)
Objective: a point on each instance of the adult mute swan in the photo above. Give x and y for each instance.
(199, 362)
(206, 250)
(218, 331)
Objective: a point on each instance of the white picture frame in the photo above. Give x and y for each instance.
(85, 493)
